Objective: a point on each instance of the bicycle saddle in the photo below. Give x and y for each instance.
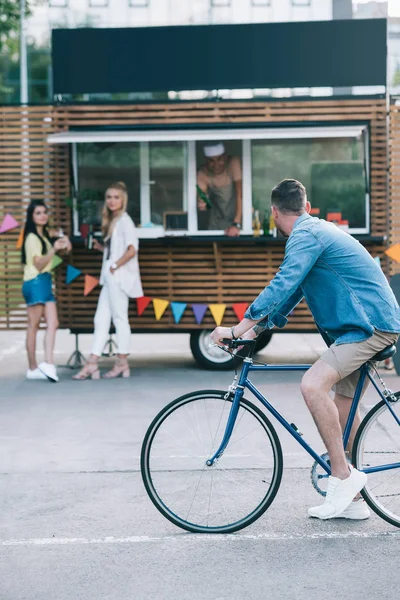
(385, 353)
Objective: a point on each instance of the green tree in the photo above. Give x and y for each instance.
(9, 34)
(9, 24)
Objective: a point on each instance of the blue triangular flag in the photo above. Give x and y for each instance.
(72, 273)
(178, 308)
(378, 260)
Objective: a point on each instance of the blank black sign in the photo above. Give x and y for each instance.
(260, 55)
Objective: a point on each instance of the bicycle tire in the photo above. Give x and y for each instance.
(276, 468)
(367, 451)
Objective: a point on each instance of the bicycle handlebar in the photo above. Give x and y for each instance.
(237, 343)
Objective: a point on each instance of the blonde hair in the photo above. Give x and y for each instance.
(108, 219)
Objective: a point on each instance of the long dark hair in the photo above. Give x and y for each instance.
(30, 227)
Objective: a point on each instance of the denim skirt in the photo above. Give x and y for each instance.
(38, 290)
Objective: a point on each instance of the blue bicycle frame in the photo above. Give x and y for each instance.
(244, 382)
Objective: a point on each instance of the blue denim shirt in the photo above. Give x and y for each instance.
(345, 288)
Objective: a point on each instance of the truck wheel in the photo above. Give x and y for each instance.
(208, 356)
(263, 340)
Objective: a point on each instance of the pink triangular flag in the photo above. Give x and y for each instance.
(8, 223)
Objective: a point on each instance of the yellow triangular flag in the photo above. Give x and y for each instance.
(217, 311)
(159, 307)
(394, 252)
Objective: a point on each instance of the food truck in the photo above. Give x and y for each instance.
(195, 275)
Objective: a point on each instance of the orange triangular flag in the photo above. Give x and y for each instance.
(217, 311)
(394, 252)
(20, 239)
(142, 303)
(159, 307)
(90, 284)
(239, 309)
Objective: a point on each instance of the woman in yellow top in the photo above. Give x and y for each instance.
(37, 256)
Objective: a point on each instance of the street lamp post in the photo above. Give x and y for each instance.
(23, 55)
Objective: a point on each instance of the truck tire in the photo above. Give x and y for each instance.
(263, 340)
(208, 356)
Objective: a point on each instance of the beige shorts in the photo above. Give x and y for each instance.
(346, 359)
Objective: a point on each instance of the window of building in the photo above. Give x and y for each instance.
(97, 166)
(301, 2)
(220, 3)
(98, 3)
(58, 3)
(165, 194)
(261, 2)
(333, 170)
(221, 179)
(171, 180)
(139, 3)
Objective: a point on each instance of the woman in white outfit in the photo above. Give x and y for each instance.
(120, 278)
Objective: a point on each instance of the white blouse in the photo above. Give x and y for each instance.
(128, 275)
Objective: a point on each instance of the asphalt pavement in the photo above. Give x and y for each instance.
(76, 522)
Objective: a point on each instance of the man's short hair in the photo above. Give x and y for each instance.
(289, 197)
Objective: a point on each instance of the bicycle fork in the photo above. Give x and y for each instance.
(237, 390)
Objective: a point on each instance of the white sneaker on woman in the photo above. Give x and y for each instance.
(49, 371)
(35, 374)
(339, 495)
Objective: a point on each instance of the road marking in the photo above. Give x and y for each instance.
(144, 539)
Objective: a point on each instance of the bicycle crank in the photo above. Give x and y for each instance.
(319, 477)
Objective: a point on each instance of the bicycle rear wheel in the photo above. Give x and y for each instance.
(377, 444)
(227, 496)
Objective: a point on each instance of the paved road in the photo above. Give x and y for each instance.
(76, 522)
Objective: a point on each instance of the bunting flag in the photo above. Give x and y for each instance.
(159, 307)
(142, 303)
(178, 308)
(378, 260)
(217, 311)
(90, 284)
(239, 309)
(199, 311)
(20, 240)
(394, 252)
(56, 261)
(72, 274)
(8, 223)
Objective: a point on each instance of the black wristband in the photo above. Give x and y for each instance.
(233, 333)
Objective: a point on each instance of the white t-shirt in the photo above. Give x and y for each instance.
(128, 275)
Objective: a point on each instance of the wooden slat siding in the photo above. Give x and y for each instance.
(187, 274)
(198, 273)
(47, 174)
(394, 182)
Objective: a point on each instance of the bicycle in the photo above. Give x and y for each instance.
(212, 462)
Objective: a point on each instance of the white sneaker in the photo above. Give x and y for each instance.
(339, 495)
(49, 371)
(35, 374)
(357, 510)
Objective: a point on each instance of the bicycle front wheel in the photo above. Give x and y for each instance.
(377, 445)
(226, 496)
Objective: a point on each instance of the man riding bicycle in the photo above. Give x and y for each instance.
(355, 311)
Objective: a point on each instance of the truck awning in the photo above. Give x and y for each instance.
(183, 135)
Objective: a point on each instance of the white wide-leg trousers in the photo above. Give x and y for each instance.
(112, 306)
